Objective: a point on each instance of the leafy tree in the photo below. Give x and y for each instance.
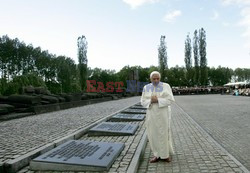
(6, 54)
(219, 76)
(124, 73)
(82, 58)
(3, 85)
(153, 68)
(144, 74)
(242, 74)
(203, 58)
(67, 75)
(103, 76)
(196, 58)
(162, 57)
(18, 60)
(176, 76)
(188, 60)
(16, 85)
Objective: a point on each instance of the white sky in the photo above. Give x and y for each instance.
(127, 32)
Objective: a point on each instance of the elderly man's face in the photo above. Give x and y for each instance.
(155, 79)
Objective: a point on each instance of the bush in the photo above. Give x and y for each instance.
(54, 87)
(3, 86)
(19, 82)
(35, 80)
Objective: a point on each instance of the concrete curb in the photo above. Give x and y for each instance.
(134, 164)
(216, 143)
(14, 165)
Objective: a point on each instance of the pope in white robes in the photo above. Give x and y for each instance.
(157, 98)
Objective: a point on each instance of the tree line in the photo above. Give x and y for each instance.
(196, 74)
(22, 65)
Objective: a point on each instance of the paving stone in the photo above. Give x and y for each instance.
(192, 155)
(26, 134)
(194, 149)
(226, 118)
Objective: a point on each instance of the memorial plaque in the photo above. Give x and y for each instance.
(127, 117)
(135, 111)
(113, 129)
(138, 104)
(137, 107)
(79, 155)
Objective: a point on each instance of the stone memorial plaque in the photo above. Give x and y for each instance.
(138, 104)
(79, 155)
(113, 129)
(127, 117)
(134, 111)
(137, 107)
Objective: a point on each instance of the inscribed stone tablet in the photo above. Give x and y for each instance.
(138, 104)
(79, 155)
(137, 107)
(127, 117)
(113, 129)
(135, 111)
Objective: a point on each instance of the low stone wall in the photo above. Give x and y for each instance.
(39, 109)
(66, 105)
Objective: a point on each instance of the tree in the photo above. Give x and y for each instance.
(67, 75)
(196, 58)
(242, 74)
(176, 76)
(82, 58)
(188, 60)
(162, 57)
(219, 76)
(203, 58)
(18, 60)
(144, 74)
(104, 76)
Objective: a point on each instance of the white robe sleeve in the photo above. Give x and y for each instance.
(145, 101)
(167, 98)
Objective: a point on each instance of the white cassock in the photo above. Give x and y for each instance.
(158, 118)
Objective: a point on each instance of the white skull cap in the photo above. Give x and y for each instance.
(155, 73)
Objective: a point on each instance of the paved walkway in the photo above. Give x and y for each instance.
(20, 136)
(122, 162)
(195, 150)
(226, 118)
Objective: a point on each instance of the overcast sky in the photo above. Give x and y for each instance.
(127, 32)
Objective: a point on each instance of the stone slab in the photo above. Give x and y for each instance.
(12, 166)
(134, 111)
(113, 129)
(79, 155)
(137, 107)
(127, 117)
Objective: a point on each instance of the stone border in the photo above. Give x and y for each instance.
(216, 143)
(134, 164)
(130, 156)
(14, 165)
(54, 107)
(66, 105)
(15, 116)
